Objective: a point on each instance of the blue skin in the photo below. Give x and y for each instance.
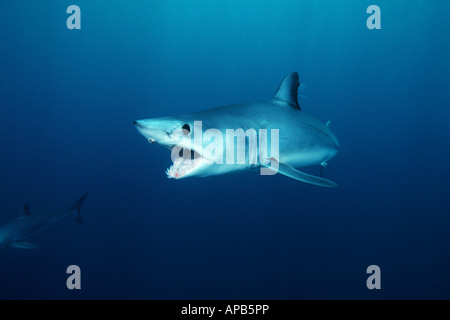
(303, 140)
(24, 227)
(15, 232)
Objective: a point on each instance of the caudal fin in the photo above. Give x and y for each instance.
(76, 209)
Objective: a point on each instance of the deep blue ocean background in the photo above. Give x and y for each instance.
(69, 99)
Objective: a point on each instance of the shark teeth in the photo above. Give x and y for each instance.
(182, 167)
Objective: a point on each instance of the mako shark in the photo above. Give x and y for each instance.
(17, 231)
(303, 140)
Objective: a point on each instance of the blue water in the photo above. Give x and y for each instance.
(69, 98)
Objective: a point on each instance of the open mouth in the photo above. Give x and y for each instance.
(184, 164)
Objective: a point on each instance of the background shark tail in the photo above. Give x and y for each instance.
(75, 211)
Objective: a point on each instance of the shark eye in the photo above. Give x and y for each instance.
(187, 128)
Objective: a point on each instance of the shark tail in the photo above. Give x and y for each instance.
(75, 211)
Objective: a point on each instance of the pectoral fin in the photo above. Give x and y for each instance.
(293, 173)
(24, 245)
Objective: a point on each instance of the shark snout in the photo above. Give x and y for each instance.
(144, 128)
(154, 131)
(139, 124)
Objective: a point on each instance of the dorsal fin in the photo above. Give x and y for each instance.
(287, 91)
(25, 211)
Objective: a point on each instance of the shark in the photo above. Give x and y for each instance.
(20, 229)
(303, 140)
